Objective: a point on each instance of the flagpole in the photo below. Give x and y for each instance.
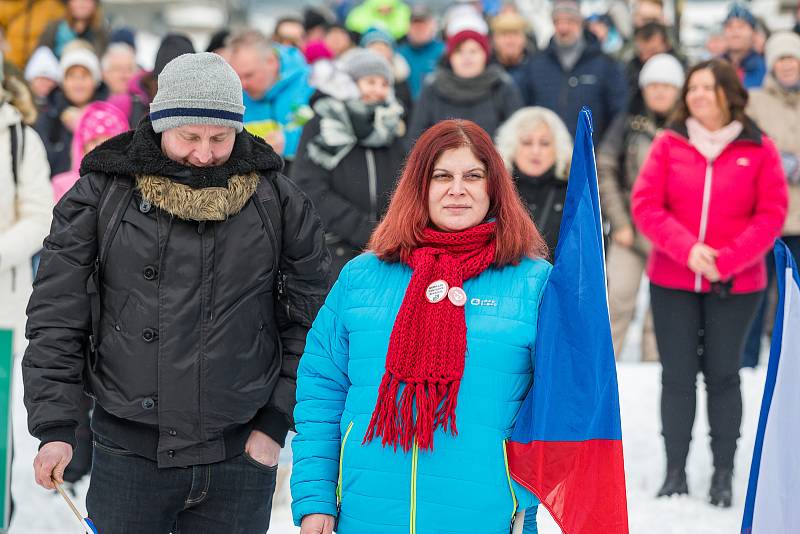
(88, 526)
(68, 501)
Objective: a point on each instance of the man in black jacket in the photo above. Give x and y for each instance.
(177, 285)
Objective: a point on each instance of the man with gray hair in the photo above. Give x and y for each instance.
(276, 89)
(177, 285)
(572, 72)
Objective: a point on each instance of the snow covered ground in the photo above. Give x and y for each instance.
(40, 512)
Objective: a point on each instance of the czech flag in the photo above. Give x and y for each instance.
(771, 505)
(567, 444)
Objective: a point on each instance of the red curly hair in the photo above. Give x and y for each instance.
(400, 231)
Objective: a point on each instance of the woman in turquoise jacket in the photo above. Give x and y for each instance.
(417, 364)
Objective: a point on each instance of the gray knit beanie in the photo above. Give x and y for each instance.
(197, 89)
(360, 62)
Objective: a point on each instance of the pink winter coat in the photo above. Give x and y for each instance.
(736, 204)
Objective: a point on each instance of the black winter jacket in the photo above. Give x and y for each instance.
(352, 197)
(443, 98)
(544, 196)
(195, 349)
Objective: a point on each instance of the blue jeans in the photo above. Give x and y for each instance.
(129, 494)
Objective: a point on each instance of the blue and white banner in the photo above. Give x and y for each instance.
(772, 503)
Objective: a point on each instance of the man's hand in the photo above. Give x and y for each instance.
(317, 524)
(262, 448)
(276, 140)
(623, 237)
(50, 463)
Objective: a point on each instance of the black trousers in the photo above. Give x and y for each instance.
(701, 332)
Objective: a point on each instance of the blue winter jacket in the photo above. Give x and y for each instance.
(281, 103)
(596, 80)
(463, 484)
(423, 60)
(751, 70)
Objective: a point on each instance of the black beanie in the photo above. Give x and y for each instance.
(218, 40)
(172, 46)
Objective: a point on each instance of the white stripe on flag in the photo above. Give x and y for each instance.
(776, 507)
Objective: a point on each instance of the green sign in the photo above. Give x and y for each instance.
(6, 372)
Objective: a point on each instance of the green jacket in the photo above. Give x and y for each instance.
(368, 15)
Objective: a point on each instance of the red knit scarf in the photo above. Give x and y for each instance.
(429, 340)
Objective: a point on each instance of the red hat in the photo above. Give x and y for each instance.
(454, 41)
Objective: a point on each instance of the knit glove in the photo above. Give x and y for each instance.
(791, 167)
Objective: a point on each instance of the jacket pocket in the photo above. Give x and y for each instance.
(110, 448)
(341, 467)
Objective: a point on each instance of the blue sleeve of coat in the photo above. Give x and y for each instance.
(322, 385)
(617, 91)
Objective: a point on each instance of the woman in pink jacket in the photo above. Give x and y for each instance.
(712, 198)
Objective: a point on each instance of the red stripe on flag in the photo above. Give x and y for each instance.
(581, 483)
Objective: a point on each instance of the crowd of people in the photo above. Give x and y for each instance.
(698, 161)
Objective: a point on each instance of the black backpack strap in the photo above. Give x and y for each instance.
(269, 208)
(114, 201)
(17, 133)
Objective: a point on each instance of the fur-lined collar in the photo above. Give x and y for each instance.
(206, 204)
(138, 153)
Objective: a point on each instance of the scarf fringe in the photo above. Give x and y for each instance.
(394, 421)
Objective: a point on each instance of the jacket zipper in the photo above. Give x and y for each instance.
(373, 185)
(341, 465)
(203, 306)
(413, 519)
(698, 279)
(510, 485)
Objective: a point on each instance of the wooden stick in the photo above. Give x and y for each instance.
(69, 502)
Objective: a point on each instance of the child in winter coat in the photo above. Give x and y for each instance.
(99, 122)
(350, 154)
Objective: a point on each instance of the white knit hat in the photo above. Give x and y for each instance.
(662, 68)
(781, 44)
(82, 57)
(43, 63)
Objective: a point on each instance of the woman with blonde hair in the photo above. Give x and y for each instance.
(536, 148)
(84, 20)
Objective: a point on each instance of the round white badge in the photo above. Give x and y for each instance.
(457, 296)
(437, 291)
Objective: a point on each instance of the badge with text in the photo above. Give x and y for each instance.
(457, 296)
(437, 291)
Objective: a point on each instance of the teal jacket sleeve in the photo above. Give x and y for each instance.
(322, 385)
(525, 498)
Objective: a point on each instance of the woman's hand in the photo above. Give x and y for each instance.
(703, 260)
(317, 524)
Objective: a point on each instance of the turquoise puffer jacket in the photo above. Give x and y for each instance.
(462, 485)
